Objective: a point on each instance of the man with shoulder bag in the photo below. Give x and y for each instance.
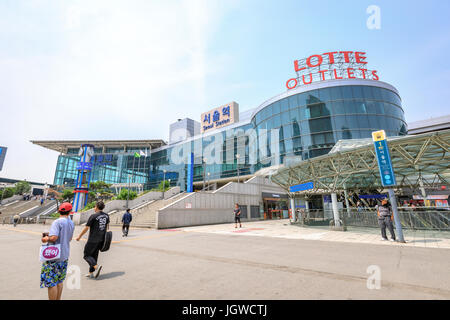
(97, 225)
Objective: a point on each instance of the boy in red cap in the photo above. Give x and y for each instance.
(53, 273)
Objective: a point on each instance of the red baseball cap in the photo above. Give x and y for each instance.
(66, 207)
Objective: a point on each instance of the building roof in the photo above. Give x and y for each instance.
(63, 145)
(427, 125)
(416, 159)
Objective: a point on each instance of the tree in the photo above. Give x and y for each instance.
(67, 195)
(164, 185)
(22, 187)
(7, 192)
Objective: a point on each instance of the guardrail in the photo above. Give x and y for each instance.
(414, 219)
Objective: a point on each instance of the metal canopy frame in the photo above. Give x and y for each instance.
(419, 160)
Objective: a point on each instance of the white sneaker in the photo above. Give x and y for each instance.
(89, 275)
(392, 240)
(97, 271)
(384, 239)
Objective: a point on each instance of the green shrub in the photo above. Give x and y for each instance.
(123, 195)
(89, 206)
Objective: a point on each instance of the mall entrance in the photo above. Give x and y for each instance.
(275, 206)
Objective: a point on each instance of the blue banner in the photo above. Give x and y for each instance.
(384, 163)
(302, 187)
(190, 174)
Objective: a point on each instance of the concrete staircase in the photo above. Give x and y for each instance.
(145, 215)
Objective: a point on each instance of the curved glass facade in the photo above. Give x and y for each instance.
(310, 123)
(306, 125)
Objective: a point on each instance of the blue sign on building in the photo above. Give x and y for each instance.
(84, 165)
(384, 159)
(302, 187)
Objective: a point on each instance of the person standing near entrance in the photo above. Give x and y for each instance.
(126, 220)
(237, 216)
(97, 225)
(385, 218)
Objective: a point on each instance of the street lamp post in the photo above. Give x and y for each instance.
(209, 173)
(164, 182)
(204, 162)
(237, 164)
(128, 193)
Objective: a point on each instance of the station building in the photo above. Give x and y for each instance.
(340, 102)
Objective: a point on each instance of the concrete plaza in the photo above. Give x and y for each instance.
(263, 260)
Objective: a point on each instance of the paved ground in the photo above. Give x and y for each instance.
(215, 262)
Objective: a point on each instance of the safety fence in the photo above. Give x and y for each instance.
(414, 219)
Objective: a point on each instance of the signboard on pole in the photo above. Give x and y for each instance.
(190, 174)
(302, 187)
(384, 159)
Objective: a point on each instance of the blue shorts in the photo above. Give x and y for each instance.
(52, 273)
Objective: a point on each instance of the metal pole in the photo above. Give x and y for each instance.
(164, 182)
(398, 224)
(347, 204)
(204, 162)
(292, 202)
(335, 209)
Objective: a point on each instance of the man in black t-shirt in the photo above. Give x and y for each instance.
(237, 216)
(97, 225)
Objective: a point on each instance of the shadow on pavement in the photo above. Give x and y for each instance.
(425, 240)
(110, 275)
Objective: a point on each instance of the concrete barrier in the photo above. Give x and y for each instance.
(113, 205)
(201, 208)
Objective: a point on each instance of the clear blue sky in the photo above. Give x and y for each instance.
(127, 69)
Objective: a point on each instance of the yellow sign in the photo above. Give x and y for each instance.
(220, 117)
(379, 135)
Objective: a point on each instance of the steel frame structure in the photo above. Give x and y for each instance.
(418, 161)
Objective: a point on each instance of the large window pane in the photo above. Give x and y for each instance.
(314, 110)
(276, 107)
(377, 94)
(357, 92)
(285, 117)
(363, 122)
(340, 123)
(360, 106)
(350, 107)
(367, 92)
(325, 94)
(347, 92)
(313, 97)
(338, 107)
(293, 102)
(335, 93)
(276, 121)
(294, 115)
(284, 105)
(301, 99)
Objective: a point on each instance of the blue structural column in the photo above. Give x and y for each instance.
(190, 174)
(84, 167)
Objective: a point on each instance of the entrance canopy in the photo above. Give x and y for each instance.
(418, 160)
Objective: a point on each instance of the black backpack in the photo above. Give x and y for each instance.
(107, 241)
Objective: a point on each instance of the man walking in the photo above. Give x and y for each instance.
(16, 219)
(237, 216)
(385, 218)
(97, 225)
(53, 273)
(126, 220)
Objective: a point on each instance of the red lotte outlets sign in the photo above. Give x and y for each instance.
(331, 66)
